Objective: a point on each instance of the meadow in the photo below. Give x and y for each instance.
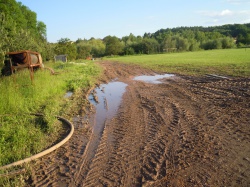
(21, 134)
(227, 62)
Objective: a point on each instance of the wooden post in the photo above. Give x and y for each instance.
(31, 73)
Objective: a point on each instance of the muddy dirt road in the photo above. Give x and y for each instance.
(185, 131)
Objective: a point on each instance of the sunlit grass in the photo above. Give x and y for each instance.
(231, 62)
(21, 134)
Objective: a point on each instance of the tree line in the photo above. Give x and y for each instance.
(162, 41)
(20, 30)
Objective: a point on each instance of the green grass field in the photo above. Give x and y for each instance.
(22, 135)
(230, 62)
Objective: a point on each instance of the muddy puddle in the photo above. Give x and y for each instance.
(68, 94)
(153, 79)
(106, 99)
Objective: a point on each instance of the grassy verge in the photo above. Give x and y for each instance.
(231, 62)
(22, 135)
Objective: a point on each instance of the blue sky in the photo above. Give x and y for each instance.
(75, 19)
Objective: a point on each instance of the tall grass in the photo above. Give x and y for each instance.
(22, 134)
(231, 62)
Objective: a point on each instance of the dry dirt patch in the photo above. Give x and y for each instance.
(187, 131)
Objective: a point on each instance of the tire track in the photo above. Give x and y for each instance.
(188, 131)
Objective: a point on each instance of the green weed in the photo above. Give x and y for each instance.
(21, 134)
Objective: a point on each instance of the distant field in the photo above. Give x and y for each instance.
(230, 62)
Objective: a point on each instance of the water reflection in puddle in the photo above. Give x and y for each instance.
(68, 94)
(106, 100)
(154, 79)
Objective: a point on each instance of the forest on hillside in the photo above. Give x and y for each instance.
(22, 31)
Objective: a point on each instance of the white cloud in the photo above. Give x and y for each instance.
(244, 12)
(238, 1)
(216, 13)
(226, 13)
(246, 21)
(225, 17)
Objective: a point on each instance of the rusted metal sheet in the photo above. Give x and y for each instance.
(21, 59)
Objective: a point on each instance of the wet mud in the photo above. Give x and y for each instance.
(184, 131)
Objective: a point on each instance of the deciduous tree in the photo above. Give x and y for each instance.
(113, 45)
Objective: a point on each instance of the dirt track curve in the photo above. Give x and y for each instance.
(187, 131)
